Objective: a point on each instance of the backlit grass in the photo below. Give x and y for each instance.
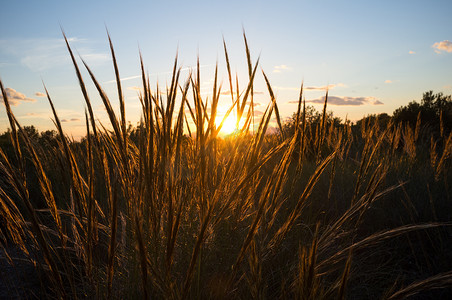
(175, 212)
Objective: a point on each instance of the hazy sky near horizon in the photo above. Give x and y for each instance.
(374, 56)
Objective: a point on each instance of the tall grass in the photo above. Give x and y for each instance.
(173, 215)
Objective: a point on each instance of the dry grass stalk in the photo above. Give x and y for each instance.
(176, 193)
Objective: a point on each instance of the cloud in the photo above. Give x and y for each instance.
(124, 79)
(70, 120)
(42, 54)
(134, 88)
(345, 101)
(39, 94)
(184, 69)
(255, 104)
(280, 68)
(443, 46)
(411, 52)
(325, 87)
(447, 87)
(258, 113)
(310, 88)
(229, 93)
(389, 81)
(15, 97)
(34, 115)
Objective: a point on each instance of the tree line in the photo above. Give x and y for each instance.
(433, 113)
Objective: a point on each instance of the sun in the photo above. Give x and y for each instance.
(229, 125)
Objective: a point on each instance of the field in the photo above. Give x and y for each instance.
(317, 209)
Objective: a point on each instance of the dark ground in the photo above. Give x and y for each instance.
(20, 280)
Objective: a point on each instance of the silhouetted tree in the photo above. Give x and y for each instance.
(313, 118)
(48, 137)
(434, 111)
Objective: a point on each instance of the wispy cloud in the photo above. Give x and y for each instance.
(140, 89)
(258, 113)
(184, 69)
(34, 115)
(39, 94)
(285, 88)
(345, 101)
(280, 68)
(255, 104)
(447, 87)
(134, 88)
(389, 81)
(229, 93)
(443, 46)
(310, 88)
(411, 52)
(42, 54)
(70, 120)
(15, 97)
(124, 78)
(325, 87)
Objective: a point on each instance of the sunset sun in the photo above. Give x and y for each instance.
(229, 125)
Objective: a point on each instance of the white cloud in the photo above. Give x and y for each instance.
(345, 101)
(280, 68)
(14, 97)
(184, 69)
(124, 79)
(443, 46)
(42, 54)
(411, 52)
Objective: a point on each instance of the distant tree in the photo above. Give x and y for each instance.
(32, 133)
(313, 117)
(5, 141)
(382, 119)
(48, 137)
(434, 111)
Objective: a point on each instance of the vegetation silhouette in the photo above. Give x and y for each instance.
(320, 209)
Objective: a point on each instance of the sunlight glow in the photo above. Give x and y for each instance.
(229, 125)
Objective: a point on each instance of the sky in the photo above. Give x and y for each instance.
(373, 56)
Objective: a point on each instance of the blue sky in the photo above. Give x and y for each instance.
(375, 56)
